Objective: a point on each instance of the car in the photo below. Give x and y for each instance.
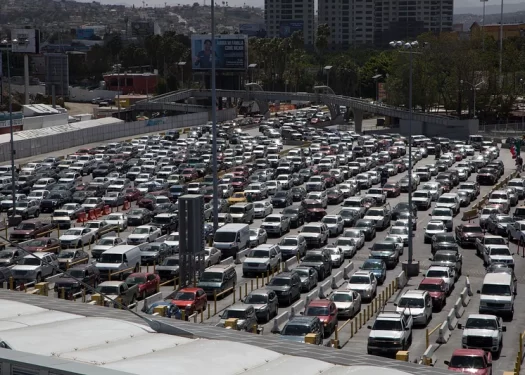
(336, 254)
(365, 283)
(445, 273)
(387, 251)
(287, 287)
(261, 260)
(41, 244)
(190, 300)
(26, 209)
(262, 209)
(265, 303)
(392, 189)
(448, 258)
(347, 302)
(258, 236)
(10, 257)
(35, 267)
(282, 198)
(319, 259)
(139, 216)
(434, 227)
(470, 361)
(334, 223)
(87, 273)
(292, 246)
(466, 234)
(403, 207)
(367, 227)
(381, 216)
(498, 254)
(316, 234)
(357, 235)
(148, 283)
(378, 194)
(347, 246)
(68, 257)
(309, 277)
(245, 315)
(297, 215)
(443, 214)
(77, 237)
(377, 267)
(143, 233)
(298, 327)
(438, 290)
(497, 224)
(326, 311)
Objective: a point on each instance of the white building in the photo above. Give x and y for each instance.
(283, 17)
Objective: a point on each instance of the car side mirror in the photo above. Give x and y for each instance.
(446, 363)
(460, 326)
(369, 327)
(504, 329)
(478, 291)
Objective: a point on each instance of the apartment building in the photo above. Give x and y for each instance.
(284, 17)
(358, 22)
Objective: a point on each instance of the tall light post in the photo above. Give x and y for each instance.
(327, 71)
(474, 88)
(182, 64)
(6, 43)
(376, 84)
(409, 47)
(214, 124)
(483, 24)
(501, 45)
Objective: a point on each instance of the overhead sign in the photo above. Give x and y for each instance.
(28, 40)
(253, 29)
(287, 28)
(231, 52)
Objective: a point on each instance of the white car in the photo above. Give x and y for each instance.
(172, 240)
(337, 255)
(37, 195)
(498, 254)
(348, 303)
(357, 235)
(443, 214)
(378, 194)
(398, 240)
(347, 246)
(422, 199)
(433, 228)
(335, 224)
(364, 283)
(118, 218)
(105, 243)
(262, 209)
(212, 256)
(445, 273)
(91, 202)
(273, 186)
(434, 188)
(142, 234)
(77, 237)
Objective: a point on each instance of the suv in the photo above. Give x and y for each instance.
(287, 286)
(419, 305)
(321, 260)
(296, 214)
(364, 283)
(316, 234)
(87, 273)
(386, 251)
(245, 315)
(276, 224)
(298, 327)
(261, 259)
(35, 269)
(391, 332)
(449, 200)
(326, 311)
(217, 278)
(437, 288)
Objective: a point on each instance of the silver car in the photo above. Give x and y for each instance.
(265, 303)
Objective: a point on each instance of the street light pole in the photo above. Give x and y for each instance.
(474, 88)
(501, 45)
(214, 124)
(483, 25)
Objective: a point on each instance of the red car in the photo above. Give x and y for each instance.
(132, 194)
(241, 171)
(148, 283)
(392, 189)
(41, 244)
(192, 299)
(326, 311)
(470, 361)
(437, 288)
(328, 179)
(190, 174)
(238, 183)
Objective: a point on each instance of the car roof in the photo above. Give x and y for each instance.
(469, 352)
(320, 302)
(432, 281)
(414, 293)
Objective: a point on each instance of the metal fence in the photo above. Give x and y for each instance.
(503, 129)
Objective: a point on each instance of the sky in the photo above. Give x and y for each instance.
(460, 6)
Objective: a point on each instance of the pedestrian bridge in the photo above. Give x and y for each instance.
(420, 123)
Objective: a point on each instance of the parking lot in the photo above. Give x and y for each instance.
(472, 268)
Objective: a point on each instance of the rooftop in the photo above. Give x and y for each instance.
(74, 334)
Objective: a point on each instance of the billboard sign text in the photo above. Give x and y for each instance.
(231, 52)
(287, 28)
(253, 29)
(28, 40)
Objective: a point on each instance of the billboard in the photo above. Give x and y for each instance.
(57, 73)
(30, 39)
(381, 92)
(231, 52)
(142, 29)
(85, 33)
(253, 29)
(287, 28)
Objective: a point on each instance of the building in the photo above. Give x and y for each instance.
(131, 83)
(493, 30)
(379, 22)
(284, 17)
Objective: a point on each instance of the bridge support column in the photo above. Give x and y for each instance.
(358, 120)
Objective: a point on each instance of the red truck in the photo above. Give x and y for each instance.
(470, 361)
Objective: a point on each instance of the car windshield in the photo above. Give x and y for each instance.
(111, 258)
(363, 224)
(444, 257)
(76, 273)
(317, 311)
(505, 219)
(66, 254)
(387, 325)
(441, 212)
(372, 266)
(420, 195)
(329, 220)
(214, 277)
(259, 254)
(345, 242)
(229, 314)
(373, 212)
(30, 262)
(399, 230)
(133, 280)
(256, 299)
(437, 273)
(480, 323)
(296, 330)
(311, 229)
(342, 297)
(280, 281)
(473, 362)
(288, 242)
(430, 287)
(184, 296)
(309, 257)
(435, 226)
(272, 219)
(411, 302)
(383, 246)
(500, 251)
(359, 280)
(141, 231)
(6, 254)
(25, 226)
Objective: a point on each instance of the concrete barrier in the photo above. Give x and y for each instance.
(311, 296)
(297, 308)
(468, 286)
(459, 308)
(338, 280)
(290, 264)
(452, 320)
(429, 357)
(241, 255)
(444, 334)
(151, 299)
(402, 280)
(227, 261)
(325, 289)
(347, 270)
(279, 321)
(465, 298)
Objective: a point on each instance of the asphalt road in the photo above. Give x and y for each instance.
(472, 267)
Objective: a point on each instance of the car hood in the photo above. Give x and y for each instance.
(137, 236)
(502, 258)
(21, 231)
(311, 235)
(109, 266)
(24, 268)
(420, 198)
(385, 334)
(311, 264)
(68, 237)
(288, 248)
(414, 311)
(442, 263)
(283, 288)
(375, 218)
(381, 253)
(442, 218)
(101, 247)
(66, 281)
(149, 253)
(480, 332)
(343, 305)
(292, 338)
(257, 260)
(167, 268)
(359, 286)
(474, 371)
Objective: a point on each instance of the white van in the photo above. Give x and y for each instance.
(119, 258)
(232, 238)
(497, 295)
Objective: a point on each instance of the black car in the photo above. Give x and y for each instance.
(103, 170)
(368, 228)
(320, 260)
(287, 287)
(79, 197)
(139, 216)
(167, 223)
(54, 200)
(282, 198)
(298, 193)
(439, 241)
(87, 273)
(403, 207)
(297, 215)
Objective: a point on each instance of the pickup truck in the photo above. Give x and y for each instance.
(483, 331)
(516, 231)
(30, 229)
(470, 361)
(391, 332)
(482, 244)
(118, 289)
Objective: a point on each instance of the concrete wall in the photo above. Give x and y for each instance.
(78, 94)
(457, 129)
(224, 114)
(39, 122)
(33, 90)
(29, 143)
